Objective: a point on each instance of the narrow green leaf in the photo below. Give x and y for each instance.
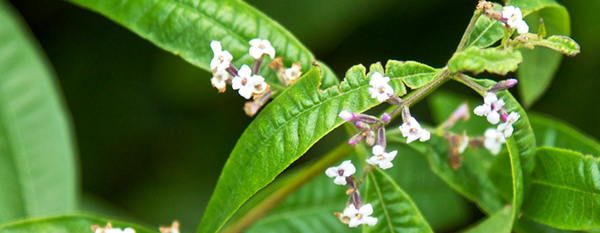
(561, 44)
(284, 131)
(539, 65)
(66, 224)
(186, 27)
(496, 223)
(394, 209)
(565, 190)
(493, 60)
(553, 133)
(37, 168)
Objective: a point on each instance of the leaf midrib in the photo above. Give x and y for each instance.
(559, 186)
(482, 33)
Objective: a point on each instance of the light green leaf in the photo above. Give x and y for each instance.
(496, 223)
(486, 32)
(561, 44)
(401, 69)
(37, 167)
(565, 190)
(186, 27)
(394, 209)
(553, 133)
(493, 60)
(540, 65)
(284, 131)
(65, 224)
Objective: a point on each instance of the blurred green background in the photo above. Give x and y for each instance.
(153, 134)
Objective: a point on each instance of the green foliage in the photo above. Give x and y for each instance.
(495, 223)
(286, 129)
(486, 32)
(37, 166)
(186, 27)
(492, 60)
(565, 190)
(561, 44)
(415, 75)
(66, 224)
(393, 208)
(540, 65)
(553, 133)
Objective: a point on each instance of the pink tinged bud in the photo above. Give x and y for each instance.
(356, 139)
(361, 125)
(381, 137)
(503, 116)
(366, 118)
(347, 115)
(504, 85)
(386, 118)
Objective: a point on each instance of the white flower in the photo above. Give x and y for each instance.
(412, 130)
(507, 127)
(258, 47)
(493, 140)
(293, 73)
(514, 19)
(490, 108)
(341, 172)
(219, 79)
(359, 216)
(380, 89)
(381, 158)
(463, 144)
(346, 115)
(248, 84)
(109, 229)
(221, 59)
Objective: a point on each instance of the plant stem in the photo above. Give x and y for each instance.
(481, 90)
(465, 36)
(294, 184)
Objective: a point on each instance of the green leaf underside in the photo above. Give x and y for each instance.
(565, 190)
(539, 65)
(495, 223)
(37, 167)
(286, 129)
(186, 28)
(310, 209)
(493, 60)
(394, 209)
(65, 224)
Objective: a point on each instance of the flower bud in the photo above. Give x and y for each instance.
(504, 85)
(385, 117)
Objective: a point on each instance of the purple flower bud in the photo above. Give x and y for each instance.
(356, 139)
(504, 85)
(361, 125)
(503, 116)
(385, 117)
(347, 115)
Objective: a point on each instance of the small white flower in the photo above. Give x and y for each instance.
(248, 84)
(381, 158)
(346, 115)
(514, 19)
(221, 59)
(341, 172)
(507, 127)
(490, 108)
(110, 229)
(293, 73)
(219, 79)
(359, 216)
(412, 131)
(463, 144)
(258, 47)
(493, 140)
(380, 89)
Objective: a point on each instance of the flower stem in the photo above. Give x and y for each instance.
(481, 90)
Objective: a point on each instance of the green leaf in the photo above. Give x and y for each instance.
(497, 223)
(539, 65)
(284, 131)
(65, 224)
(37, 166)
(565, 190)
(310, 209)
(553, 133)
(493, 60)
(486, 32)
(401, 69)
(394, 209)
(186, 27)
(561, 44)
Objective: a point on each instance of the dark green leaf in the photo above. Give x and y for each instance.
(37, 166)
(186, 27)
(394, 209)
(284, 131)
(553, 133)
(565, 190)
(539, 65)
(493, 60)
(65, 224)
(496, 223)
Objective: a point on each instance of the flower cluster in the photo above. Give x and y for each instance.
(493, 109)
(355, 213)
(109, 229)
(510, 16)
